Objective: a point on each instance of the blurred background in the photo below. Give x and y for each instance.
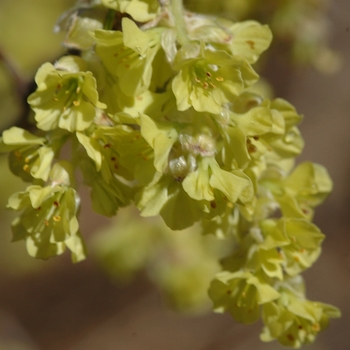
(55, 305)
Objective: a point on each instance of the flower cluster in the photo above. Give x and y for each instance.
(301, 28)
(160, 109)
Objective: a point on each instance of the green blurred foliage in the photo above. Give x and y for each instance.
(26, 40)
(26, 31)
(8, 99)
(180, 263)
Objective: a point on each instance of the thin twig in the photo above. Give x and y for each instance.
(22, 88)
(20, 83)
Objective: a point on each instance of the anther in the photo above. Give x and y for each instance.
(251, 148)
(316, 327)
(290, 337)
(26, 168)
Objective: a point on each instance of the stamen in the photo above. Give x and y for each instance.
(26, 168)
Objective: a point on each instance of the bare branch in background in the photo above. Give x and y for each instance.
(22, 88)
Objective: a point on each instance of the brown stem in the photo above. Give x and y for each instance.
(22, 89)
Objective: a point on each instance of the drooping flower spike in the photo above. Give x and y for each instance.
(161, 109)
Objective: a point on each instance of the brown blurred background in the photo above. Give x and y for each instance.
(55, 305)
